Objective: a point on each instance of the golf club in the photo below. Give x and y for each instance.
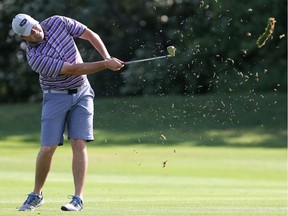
(171, 53)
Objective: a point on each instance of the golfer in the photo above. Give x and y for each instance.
(67, 96)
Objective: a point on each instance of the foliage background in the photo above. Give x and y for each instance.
(215, 41)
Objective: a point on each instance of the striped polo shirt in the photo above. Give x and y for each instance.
(47, 57)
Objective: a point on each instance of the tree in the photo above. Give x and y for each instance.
(216, 48)
(215, 41)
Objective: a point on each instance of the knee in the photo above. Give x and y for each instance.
(78, 145)
(47, 150)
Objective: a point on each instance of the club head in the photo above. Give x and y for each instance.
(171, 50)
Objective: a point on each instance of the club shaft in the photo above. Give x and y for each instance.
(147, 59)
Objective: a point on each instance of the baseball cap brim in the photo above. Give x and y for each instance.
(28, 29)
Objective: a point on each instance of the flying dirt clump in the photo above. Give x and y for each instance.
(268, 32)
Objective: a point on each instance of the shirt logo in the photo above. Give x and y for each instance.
(23, 22)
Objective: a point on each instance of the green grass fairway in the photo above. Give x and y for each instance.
(226, 155)
(132, 181)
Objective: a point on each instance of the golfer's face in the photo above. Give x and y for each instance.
(36, 34)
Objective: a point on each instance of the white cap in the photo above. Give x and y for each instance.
(22, 24)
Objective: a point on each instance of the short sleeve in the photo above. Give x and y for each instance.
(74, 27)
(46, 66)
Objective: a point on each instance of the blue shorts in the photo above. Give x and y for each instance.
(61, 110)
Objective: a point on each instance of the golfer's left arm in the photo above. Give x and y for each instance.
(96, 41)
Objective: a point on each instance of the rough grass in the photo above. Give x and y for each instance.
(221, 159)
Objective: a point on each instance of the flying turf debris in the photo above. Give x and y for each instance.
(268, 32)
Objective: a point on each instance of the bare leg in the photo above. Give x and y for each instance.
(79, 165)
(43, 164)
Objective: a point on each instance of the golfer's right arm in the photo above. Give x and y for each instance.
(91, 67)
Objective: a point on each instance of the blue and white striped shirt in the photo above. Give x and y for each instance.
(48, 56)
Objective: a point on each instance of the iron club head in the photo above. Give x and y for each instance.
(171, 50)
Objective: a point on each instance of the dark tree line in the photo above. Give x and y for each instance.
(215, 41)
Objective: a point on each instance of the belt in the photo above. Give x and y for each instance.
(68, 91)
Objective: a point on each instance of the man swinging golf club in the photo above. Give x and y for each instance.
(67, 95)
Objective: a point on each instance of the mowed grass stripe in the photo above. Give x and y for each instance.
(126, 188)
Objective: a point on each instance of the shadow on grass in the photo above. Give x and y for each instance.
(211, 120)
(20, 141)
(208, 138)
